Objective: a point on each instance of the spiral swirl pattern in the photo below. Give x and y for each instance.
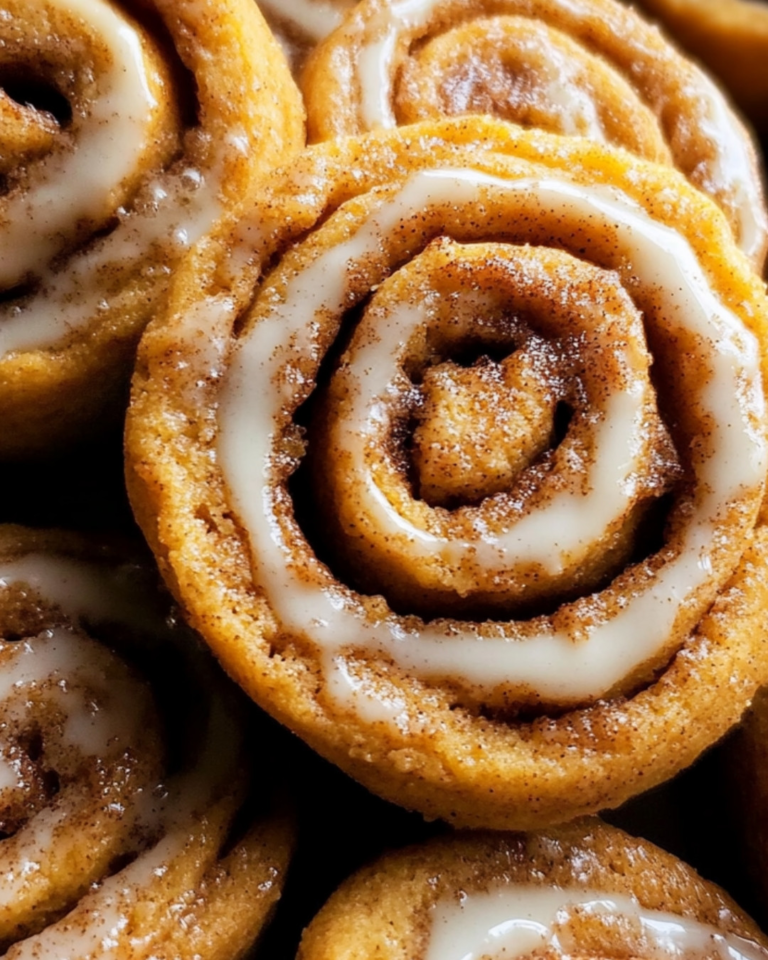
(124, 140)
(493, 434)
(113, 827)
(591, 68)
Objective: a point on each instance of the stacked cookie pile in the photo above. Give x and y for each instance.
(447, 434)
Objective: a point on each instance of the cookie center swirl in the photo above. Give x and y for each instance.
(615, 455)
(479, 428)
(555, 519)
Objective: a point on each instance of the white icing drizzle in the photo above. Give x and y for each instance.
(575, 107)
(315, 19)
(730, 170)
(258, 385)
(554, 536)
(83, 667)
(77, 676)
(99, 926)
(375, 58)
(80, 677)
(37, 837)
(80, 588)
(734, 167)
(513, 921)
(178, 212)
(168, 215)
(74, 185)
(96, 699)
(9, 774)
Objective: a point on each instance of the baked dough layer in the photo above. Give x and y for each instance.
(150, 126)
(123, 769)
(477, 748)
(395, 908)
(589, 68)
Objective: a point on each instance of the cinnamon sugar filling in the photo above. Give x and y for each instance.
(565, 524)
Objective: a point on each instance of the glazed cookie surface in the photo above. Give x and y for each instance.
(123, 769)
(584, 617)
(585, 890)
(127, 132)
(588, 68)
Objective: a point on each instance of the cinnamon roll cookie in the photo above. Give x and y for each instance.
(730, 37)
(127, 131)
(122, 770)
(587, 890)
(456, 458)
(588, 68)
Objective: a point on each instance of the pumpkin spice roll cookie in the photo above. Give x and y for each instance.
(579, 67)
(127, 131)
(586, 890)
(730, 37)
(123, 769)
(454, 451)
